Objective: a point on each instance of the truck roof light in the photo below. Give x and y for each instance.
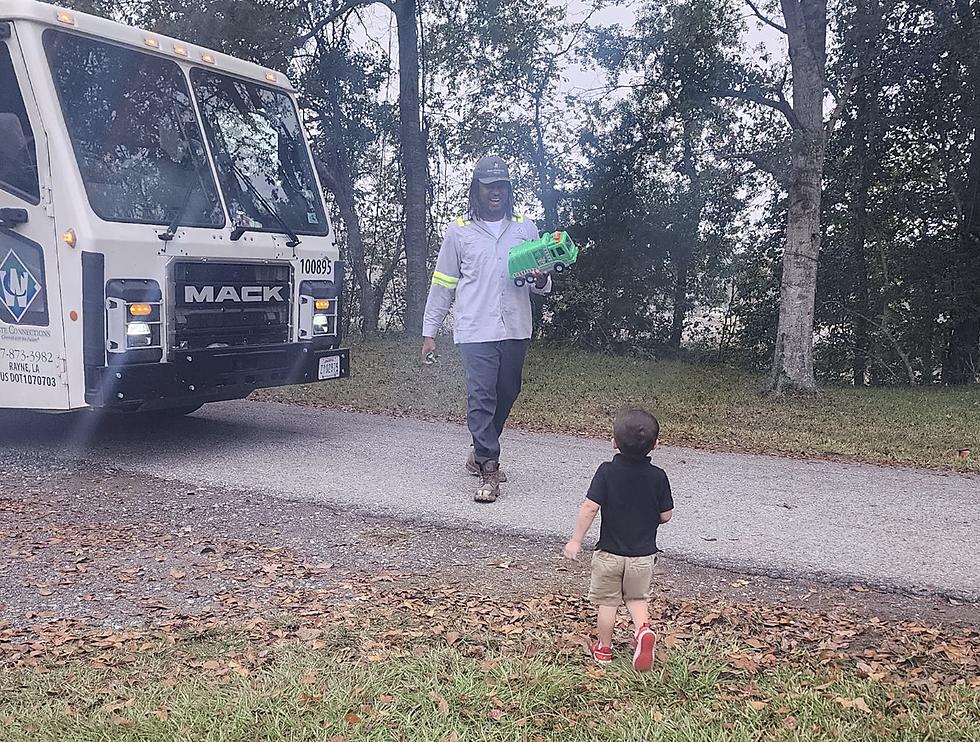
(65, 17)
(271, 77)
(180, 50)
(69, 238)
(207, 58)
(152, 42)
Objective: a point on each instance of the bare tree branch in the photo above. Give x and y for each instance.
(764, 19)
(578, 29)
(903, 356)
(755, 96)
(340, 12)
(843, 99)
(761, 162)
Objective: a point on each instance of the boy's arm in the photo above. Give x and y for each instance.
(666, 501)
(586, 515)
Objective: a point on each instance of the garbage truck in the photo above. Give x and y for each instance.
(164, 240)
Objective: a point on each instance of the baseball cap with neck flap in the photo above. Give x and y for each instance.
(491, 170)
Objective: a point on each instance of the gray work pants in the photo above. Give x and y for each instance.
(493, 381)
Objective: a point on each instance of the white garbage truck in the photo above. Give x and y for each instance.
(164, 240)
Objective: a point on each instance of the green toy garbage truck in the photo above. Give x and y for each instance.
(552, 251)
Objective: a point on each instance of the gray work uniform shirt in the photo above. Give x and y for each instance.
(472, 270)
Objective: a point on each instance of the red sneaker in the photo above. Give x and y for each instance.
(601, 654)
(644, 644)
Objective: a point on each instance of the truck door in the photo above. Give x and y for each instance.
(32, 364)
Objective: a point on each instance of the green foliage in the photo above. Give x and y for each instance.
(659, 210)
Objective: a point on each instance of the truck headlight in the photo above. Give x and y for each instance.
(318, 317)
(139, 335)
(132, 325)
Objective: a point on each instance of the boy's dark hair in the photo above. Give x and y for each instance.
(636, 431)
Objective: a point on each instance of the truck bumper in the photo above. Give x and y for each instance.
(212, 375)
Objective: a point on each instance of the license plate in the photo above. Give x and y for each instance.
(329, 368)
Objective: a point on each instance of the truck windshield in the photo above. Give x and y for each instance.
(135, 134)
(255, 135)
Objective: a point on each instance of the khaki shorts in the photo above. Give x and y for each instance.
(616, 579)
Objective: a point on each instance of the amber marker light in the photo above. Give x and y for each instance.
(140, 310)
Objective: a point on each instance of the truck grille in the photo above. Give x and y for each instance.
(231, 305)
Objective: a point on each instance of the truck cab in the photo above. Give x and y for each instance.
(164, 241)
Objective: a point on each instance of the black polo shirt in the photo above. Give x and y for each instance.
(632, 493)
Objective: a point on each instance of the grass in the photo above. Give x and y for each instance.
(711, 407)
(439, 694)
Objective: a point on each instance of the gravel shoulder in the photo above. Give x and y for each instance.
(107, 546)
(891, 529)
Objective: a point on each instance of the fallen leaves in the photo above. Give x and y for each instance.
(442, 705)
(853, 703)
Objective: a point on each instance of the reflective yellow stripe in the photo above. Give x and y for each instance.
(441, 279)
(519, 218)
(444, 277)
(459, 221)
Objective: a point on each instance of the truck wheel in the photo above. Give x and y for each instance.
(519, 282)
(559, 268)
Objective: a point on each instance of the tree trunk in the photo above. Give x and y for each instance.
(546, 178)
(806, 26)
(962, 363)
(414, 163)
(683, 249)
(864, 131)
(681, 274)
(338, 177)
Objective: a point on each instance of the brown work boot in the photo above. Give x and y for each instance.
(473, 468)
(490, 483)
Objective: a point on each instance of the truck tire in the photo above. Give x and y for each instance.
(519, 282)
(559, 268)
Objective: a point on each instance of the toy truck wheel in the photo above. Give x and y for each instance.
(559, 268)
(519, 282)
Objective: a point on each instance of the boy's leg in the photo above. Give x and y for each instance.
(513, 353)
(606, 592)
(639, 612)
(481, 363)
(607, 622)
(637, 576)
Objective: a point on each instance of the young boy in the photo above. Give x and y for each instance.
(634, 496)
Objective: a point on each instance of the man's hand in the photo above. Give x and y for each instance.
(540, 279)
(572, 549)
(428, 346)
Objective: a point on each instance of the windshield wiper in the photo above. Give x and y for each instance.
(238, 231)
(179, 215)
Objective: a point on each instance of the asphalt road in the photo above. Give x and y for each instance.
(893, 528)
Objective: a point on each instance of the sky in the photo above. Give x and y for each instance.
(378, 29)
